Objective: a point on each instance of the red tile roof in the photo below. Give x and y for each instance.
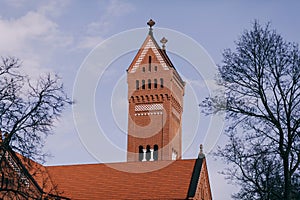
(103, 181)
(39, 174)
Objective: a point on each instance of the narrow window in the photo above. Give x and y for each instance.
(155, 83)
(148, 154)
(149, 83)
(155, 154)
(144, 69)
(161, 83)
(149, 63)
(155, 68)
(137, 84)
(141, 153)
(143, 84)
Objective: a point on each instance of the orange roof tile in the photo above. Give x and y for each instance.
(102, 181)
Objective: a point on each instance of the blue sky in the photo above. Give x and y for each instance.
(57, 36)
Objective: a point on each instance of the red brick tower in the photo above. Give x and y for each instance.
(155, 96)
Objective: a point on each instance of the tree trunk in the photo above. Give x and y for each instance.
(287, 178)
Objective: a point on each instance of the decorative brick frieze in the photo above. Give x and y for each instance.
(148, 107)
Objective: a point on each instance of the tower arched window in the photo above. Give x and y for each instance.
(143, 84)
(137, 84)
(148, 153)
(155, 153)
(144, 69)
(174, 154)
(150, 63)
(149, 83)
(155, 83)
(161, 83)
(141, 152)
(155, 68)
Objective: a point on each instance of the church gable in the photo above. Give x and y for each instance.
(200, 188)
(150, 47)
(16, 182)
(22, 178)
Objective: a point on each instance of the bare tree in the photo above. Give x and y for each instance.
(28, 110)
(261, 78)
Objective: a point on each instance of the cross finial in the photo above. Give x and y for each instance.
(164, 41)
(150, 24)
(201, 154)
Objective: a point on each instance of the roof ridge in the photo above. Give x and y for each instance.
(117, 163)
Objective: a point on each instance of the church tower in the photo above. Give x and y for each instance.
(155, 97)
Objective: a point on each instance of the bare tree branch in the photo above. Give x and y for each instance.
(261, 78)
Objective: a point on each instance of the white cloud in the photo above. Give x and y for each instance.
(32, 38)
(89, 42)
(114, 11)
(15, 32)
(99, 27)
(196, 83)
(20, 32)
(118, 8)
(15, 3)
(54, 8)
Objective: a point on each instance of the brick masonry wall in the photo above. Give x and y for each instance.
(148, 123)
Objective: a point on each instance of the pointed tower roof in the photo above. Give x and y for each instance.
(150, 43)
